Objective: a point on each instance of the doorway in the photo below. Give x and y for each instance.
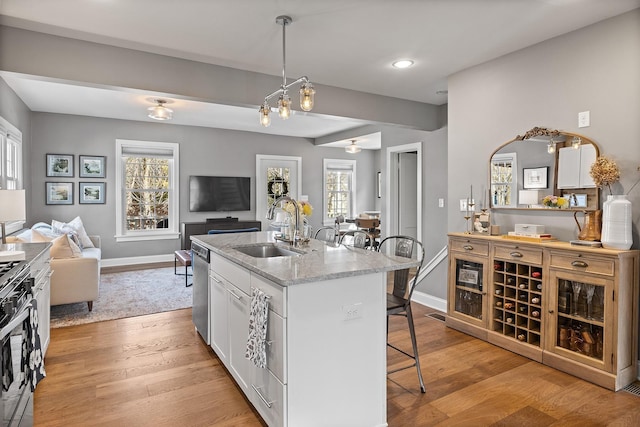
(404, 190)
(275, 176)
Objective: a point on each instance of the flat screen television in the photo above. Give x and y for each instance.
(219, 193)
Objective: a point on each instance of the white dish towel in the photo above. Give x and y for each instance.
(258, 319)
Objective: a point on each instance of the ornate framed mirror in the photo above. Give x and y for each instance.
(544, 169)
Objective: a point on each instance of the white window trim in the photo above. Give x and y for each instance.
(8, 131)
(172, 232)
(335, 164)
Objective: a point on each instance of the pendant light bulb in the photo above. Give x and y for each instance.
(284, 106)
(576, 142)
(551, 146)
(265, 120)
(307, 93)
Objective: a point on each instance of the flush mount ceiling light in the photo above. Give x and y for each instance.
(307, 91)
(402, 63)
(160, 112)
(353, 148)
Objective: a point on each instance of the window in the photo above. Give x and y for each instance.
(339, 189)
(10, 164)
(504, 180)
(148, 201)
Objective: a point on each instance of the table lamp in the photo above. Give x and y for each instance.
(12, 208)
(528, 197)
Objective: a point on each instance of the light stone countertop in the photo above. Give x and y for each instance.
(319, 260)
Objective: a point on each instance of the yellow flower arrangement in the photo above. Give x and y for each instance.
(604, 172)
(554, 202)
(304, 208)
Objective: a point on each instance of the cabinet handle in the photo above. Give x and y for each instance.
(550, 311)
(516, 254)
(266, 402)
(216, 280)
(579, 264)
(467, 247)
(236, 296)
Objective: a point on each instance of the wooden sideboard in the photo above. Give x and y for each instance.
(569, 307)
(189, 229)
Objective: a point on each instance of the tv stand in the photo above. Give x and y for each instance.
(226, 219)
(189, 229)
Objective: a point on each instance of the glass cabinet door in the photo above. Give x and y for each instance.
(578, 316)
(469, 293)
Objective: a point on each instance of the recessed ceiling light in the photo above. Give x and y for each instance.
(403, 63)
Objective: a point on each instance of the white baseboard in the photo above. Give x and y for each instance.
(430, 301)
(149, 259)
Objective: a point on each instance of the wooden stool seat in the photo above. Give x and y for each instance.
(183, 257)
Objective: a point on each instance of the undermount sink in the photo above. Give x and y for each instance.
(267, 250)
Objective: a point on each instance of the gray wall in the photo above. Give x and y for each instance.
(203, 151)
(595, 69)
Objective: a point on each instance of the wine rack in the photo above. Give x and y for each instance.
(517, 301)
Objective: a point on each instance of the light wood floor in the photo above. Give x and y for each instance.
(155, 371)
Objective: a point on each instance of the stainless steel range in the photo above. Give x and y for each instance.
(16, 302)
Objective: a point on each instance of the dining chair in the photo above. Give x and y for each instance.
(399, 299)
(326, 234)
(355, 238)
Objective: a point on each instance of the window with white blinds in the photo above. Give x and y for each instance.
(147, 206)
(339, 189)
(10, 164)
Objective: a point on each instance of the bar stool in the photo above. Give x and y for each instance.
(184, 258)
(399, 300)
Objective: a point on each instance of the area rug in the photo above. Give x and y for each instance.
(128, 294)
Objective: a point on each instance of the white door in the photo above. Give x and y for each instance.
(275, 176)
(407, 194)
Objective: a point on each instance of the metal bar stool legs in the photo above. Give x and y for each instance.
(412, 332)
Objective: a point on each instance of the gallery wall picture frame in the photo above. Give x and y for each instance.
(59, 193)
(60, 165)
(535, 177)
(92, 193)
(92, 166)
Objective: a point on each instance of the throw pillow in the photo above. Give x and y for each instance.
(61, 246)
(78, 228)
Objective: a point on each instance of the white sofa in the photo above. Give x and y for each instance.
(77, 279)
(75, 271)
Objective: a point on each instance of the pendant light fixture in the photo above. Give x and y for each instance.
(160, 112)
(353, 148)
(307, 92)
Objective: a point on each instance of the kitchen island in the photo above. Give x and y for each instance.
(326, 333)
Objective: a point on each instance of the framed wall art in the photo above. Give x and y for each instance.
(60, 165)
(59, 193)
(91, 192)
(535, 177)
(92, 166)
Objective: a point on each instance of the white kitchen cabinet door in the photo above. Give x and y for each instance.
(238, 306)
(219, 324)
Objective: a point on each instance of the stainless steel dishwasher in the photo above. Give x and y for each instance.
(200, 311)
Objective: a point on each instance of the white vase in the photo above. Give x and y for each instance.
(616, 223)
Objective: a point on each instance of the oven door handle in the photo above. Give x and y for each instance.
(16, 321)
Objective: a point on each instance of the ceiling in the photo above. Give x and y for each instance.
(342, 43)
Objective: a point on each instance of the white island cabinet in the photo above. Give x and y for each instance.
(326, 334)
